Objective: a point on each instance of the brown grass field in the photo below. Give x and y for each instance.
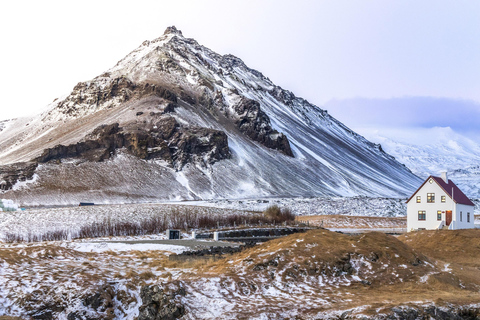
(428, 267)
(312, 273)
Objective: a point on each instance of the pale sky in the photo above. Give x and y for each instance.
(320, 50)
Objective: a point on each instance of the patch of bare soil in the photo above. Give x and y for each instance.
(353, 222)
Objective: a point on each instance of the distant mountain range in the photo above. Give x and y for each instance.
(174, 120)
(428, 151)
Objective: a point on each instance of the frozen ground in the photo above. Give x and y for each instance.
(39, 221)
(353, 206)
(41, 275)
(263, 284)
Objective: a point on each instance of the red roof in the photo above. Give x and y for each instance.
(449, 188)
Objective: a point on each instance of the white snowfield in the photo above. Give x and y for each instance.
(71, 219)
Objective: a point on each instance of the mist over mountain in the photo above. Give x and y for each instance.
(174, 120)
(405, 113)
(428, 151)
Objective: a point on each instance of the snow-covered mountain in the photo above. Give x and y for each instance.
(428, 151)
(175, 120)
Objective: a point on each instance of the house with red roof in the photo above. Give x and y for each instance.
(439, 204)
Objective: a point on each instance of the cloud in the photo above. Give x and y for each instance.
(408, 112)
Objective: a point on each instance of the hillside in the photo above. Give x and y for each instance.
(175, 120)
(314, 275)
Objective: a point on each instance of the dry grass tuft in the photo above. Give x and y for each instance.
(452, 246)
(147, 275)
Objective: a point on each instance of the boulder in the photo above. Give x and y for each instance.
(255, 123)
(20, 171)
(160, 305)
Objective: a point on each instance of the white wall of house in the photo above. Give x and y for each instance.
(461, 217)
(431, 209)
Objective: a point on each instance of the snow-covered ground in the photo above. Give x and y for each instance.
(353, 206)
(47, 274)
(71, 219)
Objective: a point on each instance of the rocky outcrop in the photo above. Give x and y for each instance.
(255, 123)
(101, 303)
(160, 305)
(107, 92)
(10, 174)
(164, 139)
(431, 312)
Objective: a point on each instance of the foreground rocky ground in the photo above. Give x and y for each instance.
(314, 275)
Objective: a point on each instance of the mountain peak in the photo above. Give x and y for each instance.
(172, 30)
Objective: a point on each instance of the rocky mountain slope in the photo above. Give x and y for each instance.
(175, 120)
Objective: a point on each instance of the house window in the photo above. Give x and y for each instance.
(439, 215)
(430, 197)
(468, 216)
(460, 215)
(422, 215)
(419, 199)
(444, 199)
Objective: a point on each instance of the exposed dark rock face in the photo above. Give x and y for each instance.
(431, 312)
(165, 139)
(160, 305)
(101, 302)
(211, 251)
(10, 174)
(255, 123)
(109, 92)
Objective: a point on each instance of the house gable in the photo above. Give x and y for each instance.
(449, 188)
(413, 195)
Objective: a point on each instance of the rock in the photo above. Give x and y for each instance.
(160, 305)
(165, 140)
(255, 123)
(172, 30)
(102, 303)
(12, 173)
(432, 312)
(200, 145)
(106, 92)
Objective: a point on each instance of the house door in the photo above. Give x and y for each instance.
(448, 217)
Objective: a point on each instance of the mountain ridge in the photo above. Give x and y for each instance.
(280, 144)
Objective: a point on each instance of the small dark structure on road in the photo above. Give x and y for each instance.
(173, 234)
(84, 204)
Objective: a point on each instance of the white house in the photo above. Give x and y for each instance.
(439, 204)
